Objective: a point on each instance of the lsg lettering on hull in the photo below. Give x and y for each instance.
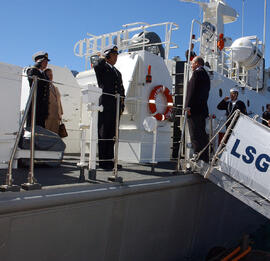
(261, 161)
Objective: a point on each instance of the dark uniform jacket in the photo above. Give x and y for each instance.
(42, 101)
(110, 81)
(266, 116)
(192, 54)
(197, 92)
(230, 109)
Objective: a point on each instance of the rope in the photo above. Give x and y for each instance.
(76, 87)
(199, 154)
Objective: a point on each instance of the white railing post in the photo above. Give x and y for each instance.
(154, 147)
(93, 137)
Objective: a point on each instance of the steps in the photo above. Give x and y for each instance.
(178, 102)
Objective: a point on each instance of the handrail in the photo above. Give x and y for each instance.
(136, 23)
(181, 143)
(30, 178)
(228, 131)
(18, 136)
(235, 251)
(94, 44)
(244, 253)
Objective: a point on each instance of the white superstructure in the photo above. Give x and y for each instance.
(240, 63)
(137, 55)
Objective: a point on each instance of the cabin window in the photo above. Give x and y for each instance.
(220, 92)
(248, 103)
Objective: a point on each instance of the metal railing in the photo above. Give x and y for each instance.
(31, 184)
(222, 61)
(130, 37)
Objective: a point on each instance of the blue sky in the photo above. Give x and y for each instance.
(55, 26)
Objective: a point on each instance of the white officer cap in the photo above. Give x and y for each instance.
(234, 90)
(110, 49)
(39, 56)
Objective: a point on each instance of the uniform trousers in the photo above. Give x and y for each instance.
(198, 136)
(106, 134)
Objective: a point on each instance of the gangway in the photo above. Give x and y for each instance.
(240, 165)
(236, 189)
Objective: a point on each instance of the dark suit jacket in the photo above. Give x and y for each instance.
(110, 81)
(42, 101)
(197, 92)
(266, 116)
(227, 105)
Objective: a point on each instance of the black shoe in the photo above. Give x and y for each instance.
(105, 166)
(194, 157)
(119, 166)
(107, 169)
(109, 166)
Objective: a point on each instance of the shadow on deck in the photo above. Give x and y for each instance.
(68, 173)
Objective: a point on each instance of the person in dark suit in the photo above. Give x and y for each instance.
(266, 116)
(192, 53)
(110, 81)
(231, 104)
(196, 105)
(41, 61)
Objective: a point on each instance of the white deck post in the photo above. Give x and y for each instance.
(93, 138)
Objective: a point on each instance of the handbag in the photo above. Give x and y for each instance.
(62, 132)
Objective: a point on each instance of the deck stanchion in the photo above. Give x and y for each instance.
(177, 171)
(92, 172)
(93, 137)
(9, 186)
(82, 164)
(92, 108)
(150, 125)
(31, 182)
(115, 176)
(153, 163)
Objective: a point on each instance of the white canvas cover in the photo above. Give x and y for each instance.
(247, 155)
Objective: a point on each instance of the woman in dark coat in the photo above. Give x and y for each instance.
(42, 102)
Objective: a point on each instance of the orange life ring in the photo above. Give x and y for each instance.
(152, 102)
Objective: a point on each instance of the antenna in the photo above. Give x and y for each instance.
(264, 27)
(243, 5)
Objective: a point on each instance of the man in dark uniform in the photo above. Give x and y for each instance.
(196, 105)
(266, 116)
(231, 104)
(41, 61)
(110, 81)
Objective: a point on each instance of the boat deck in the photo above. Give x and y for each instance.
(69, 173)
